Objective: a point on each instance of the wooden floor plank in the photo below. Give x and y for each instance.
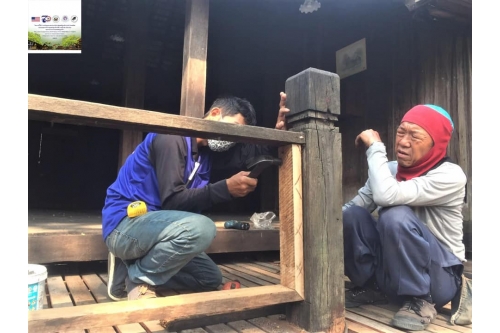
(247, 276)
(258, 269)
(59, 295)
(270, 266)
(354, 327)
(97, 287)
(244, 282)
(81, 294)
(243, 326)
(219, 328)
(254, 272)
(275, 326)
(371, 323)
(382, 318)
(100, 292)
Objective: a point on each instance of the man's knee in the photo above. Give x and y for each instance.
(354, 216)
(393, 219)
(202, 231)
(213, 279)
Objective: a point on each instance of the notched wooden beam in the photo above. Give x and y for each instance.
(165, 308)
(60, 110)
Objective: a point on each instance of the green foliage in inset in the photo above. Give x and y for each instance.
(69, 41)
(34, 37)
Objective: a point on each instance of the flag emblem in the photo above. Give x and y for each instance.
(35, 19)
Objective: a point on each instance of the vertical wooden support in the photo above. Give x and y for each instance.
(135, 73)
(194, 70)
(291, 228)
(313, 97)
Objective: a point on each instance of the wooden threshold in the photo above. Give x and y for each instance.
(62, 236)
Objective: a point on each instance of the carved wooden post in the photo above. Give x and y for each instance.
(313, 97)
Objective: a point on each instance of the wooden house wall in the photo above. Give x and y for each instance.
(433, 64)
(409, 61)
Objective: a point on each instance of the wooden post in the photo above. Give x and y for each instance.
(135, 73)
(313, 97)
(194, 70)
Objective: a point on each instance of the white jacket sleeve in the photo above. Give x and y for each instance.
(439, 187)
(364, 199)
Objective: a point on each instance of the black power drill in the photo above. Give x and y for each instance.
(232, 224)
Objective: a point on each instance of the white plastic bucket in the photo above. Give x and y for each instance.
(37, 274)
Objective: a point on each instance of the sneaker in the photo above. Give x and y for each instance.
(416, 314)
(360, 296)
(140, 291)
(117, 273)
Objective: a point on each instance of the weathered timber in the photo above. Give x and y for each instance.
(174, 307)
(235, 317)
(323, 306)
(60, 110)
(55, 236)
(194, 74)
(134, 83)
(291, 223)
(312, 93)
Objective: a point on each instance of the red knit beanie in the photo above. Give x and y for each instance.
(437, 122)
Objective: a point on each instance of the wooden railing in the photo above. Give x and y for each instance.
(310, 193)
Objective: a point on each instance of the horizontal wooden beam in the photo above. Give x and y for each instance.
(173, 307)
(60, 110)
(89, 246)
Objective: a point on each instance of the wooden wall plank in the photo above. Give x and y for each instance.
(60, 110)
(195, 58)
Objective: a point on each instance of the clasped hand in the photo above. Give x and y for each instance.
(367, 137)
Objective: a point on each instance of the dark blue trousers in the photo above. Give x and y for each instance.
(400, 252)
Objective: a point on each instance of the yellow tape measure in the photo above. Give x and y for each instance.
(137, 208)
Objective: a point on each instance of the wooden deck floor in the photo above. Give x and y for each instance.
(85, 283)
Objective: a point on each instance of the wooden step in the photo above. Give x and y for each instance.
(63, 236)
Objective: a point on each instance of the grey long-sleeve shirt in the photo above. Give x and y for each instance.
(437, 198)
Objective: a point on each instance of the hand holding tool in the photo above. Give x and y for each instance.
(258, 164)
